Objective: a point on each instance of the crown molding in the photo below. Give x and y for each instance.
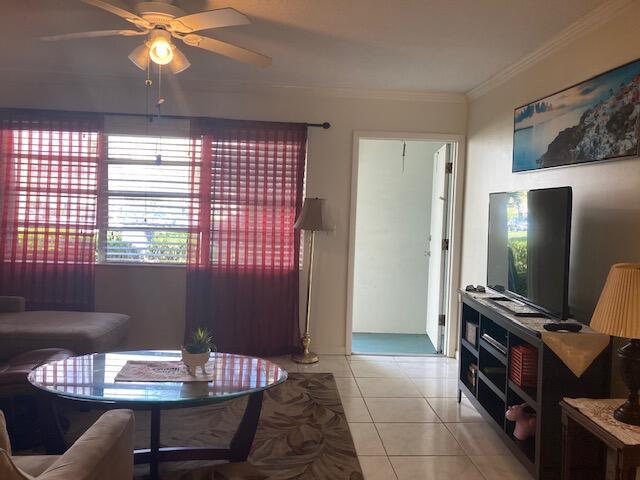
(373, 94)
(591, 21)
(20, 76)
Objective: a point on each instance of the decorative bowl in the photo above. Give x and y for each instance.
(194, 360)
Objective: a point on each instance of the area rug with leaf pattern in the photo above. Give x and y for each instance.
(302, 434)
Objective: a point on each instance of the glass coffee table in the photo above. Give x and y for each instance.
(91, 380)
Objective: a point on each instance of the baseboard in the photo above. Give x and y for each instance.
(329, 350)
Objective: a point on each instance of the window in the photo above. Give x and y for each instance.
(51, 196)
(145, 202)
(144, 193)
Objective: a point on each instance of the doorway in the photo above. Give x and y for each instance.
(400, 255)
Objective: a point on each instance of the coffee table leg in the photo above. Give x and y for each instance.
(52, 433)
(154, 445)
(243, 439)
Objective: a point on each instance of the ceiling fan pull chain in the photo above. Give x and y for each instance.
(160, 102)
(160, 99)
(148, 82)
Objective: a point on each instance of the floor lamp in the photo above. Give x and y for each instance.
(310, 220)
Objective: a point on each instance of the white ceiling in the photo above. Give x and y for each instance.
(413, 45)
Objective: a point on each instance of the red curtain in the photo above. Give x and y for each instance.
(243, 258)
(48, 201)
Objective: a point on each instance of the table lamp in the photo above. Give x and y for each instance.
(311, 220)
(618, 314)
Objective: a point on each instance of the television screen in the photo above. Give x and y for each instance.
(529, 238)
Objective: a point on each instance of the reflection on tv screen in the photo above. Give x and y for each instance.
(517, 222)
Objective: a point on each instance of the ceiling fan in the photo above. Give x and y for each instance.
(161, 22)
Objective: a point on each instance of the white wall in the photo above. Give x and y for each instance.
(606, 196)
(154, 296)
(391, 267)
(158, 307)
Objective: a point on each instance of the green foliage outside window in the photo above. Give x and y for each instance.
(168, 247)
(121, 250)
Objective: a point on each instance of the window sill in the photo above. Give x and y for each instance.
(152, 265)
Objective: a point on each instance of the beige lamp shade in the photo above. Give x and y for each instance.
(311, 217)
(618, 310)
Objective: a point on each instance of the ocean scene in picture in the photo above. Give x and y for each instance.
(595, 120)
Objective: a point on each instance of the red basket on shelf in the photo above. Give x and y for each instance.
(524, 365)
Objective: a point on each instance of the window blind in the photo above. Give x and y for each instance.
(49, 178)
(145, 210)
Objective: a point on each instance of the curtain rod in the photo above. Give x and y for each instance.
(324, 125)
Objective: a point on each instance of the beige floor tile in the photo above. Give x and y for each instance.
(400, 410)
(370, 358)
(420, 359)
(435, 467)
(330, 360)
(387, 387)
(501, 467)
(477, 439)
(347, 387)
(418, 439)
(366, 439)
(339, 367)
(332, 357)
(377, 370)
(436, 387)
(428, 370)
(377, 468)
(355, 409)
(449, 410)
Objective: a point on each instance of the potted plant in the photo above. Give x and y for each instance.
(197, 351)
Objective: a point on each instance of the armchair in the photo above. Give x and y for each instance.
(104, 452)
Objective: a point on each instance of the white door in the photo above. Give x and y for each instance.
(436, 254)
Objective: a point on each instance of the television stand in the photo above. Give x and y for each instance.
(488, 335)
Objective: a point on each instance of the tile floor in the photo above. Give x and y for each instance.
(406, 422)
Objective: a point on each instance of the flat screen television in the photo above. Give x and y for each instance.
(529, 238)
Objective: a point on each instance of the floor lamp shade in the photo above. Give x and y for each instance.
(618, 310)
(618, 314)
(311, 217)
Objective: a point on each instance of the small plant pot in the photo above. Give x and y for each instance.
(194, 360)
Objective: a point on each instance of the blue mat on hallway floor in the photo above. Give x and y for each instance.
(392, 343)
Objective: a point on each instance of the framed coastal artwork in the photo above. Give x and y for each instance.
(595, 120)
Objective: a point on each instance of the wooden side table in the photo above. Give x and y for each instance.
(590, 435)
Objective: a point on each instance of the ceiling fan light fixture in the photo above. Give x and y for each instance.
(160, 47)
(179, 62)
(140, 56)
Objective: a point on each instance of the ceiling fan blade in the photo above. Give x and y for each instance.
(95, 34)
(222, 17)
(140, 56)
(121, 12)
(227, 50)
(179, 62)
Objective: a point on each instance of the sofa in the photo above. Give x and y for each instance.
(17, 395)
(81, 332)
(103, 452)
